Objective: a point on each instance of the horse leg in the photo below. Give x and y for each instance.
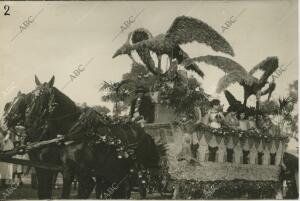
(130, 187)
(68, 178)
(85, 186)
(99, 187)
(142, 191)
(75, 183)
(45, 178)
(54, 178)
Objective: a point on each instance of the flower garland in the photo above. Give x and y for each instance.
(122, 150)
(250, 133)
(96, 126)
(222, 189)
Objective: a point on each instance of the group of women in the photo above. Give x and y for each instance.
(215, 118)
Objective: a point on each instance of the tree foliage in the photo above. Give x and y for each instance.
(185, 95)
(181, 93)
(115, 95)
(101, 109)
(293, 93)
(284, 107)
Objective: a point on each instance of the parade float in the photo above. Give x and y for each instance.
(227, 164)
(210, 163)
(206, 162)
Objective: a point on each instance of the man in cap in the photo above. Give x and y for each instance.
(142, 106)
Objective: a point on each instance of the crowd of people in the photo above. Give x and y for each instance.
(13, 173)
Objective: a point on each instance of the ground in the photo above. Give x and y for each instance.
(26, 192)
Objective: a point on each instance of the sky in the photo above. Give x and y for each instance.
(65, 36)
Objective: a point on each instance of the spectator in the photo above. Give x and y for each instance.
(18, 169)
(6, 169)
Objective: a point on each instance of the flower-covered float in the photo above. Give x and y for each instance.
(210, 163)
(212, 153)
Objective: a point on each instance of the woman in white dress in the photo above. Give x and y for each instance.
(252, 124)
(214, 117)
(6, 169)
(243, 122)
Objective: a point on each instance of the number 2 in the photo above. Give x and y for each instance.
(6, 8)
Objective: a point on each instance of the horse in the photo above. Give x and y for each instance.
(14, 115)
(16, 112)
(109, 164)
(50, 113)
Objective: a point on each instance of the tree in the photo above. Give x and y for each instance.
(116, 95)
(293, 93)
(139, 76)
(282, 110)
(101, 109)
(293, 90)
(123, 92)
(184, 94)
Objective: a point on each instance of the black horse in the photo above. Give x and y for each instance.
(112, 162)
(20, 111)
(50, 113)
(14, 111)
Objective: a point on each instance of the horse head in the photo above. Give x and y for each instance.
(37, 109)
(14, 111)
(46, 114)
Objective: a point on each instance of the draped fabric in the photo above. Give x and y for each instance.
(253, 155)
(273, 148)
(266, 156)
(246, 145)
(238, 153)
(279, 154)
(203, 149)
(221, 152)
